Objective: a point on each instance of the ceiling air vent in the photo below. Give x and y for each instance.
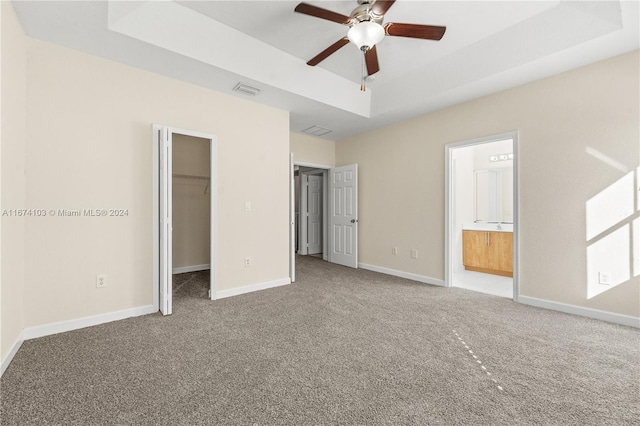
(316, 131)
(247, 90)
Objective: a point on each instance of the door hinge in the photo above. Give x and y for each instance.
(209, 294)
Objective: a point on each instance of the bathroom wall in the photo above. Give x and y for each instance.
(464, 160)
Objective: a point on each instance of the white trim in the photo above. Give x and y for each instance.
(314, 165)
(292, 219)
(213, 214)
(9, 357)
(516, 216)
(192, 268)
(325, 215)
(155, 215)
(448, 206)
(75, 324)
(581, 311)
(251, 288)
(402, 274)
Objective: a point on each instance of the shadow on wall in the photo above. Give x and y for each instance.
(613, 231)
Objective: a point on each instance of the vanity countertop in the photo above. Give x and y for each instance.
(484, 226)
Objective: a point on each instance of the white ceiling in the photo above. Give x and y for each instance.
(488, 47)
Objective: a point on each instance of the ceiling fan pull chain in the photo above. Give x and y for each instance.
(364, 69)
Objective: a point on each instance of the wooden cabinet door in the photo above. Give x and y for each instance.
(500, 251)
(474, 249)
(488, 252)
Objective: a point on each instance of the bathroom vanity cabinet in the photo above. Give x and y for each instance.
(490, 252)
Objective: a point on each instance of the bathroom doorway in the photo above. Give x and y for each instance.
(481, 228)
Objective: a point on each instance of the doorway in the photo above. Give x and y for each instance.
(184, 201)
(311, 211)
(339, 208)
(481, 241)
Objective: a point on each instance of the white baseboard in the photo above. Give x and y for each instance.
(401, 274)
(62, 326)
(581, 311)
(7, 359)
(221, 294)
(193, 268)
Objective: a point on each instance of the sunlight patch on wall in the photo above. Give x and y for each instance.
(606, 159)
(610, 206)
(613, 235)
(609, 256)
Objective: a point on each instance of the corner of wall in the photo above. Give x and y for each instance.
(12, 181)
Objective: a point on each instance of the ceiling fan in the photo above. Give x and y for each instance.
(366, 30)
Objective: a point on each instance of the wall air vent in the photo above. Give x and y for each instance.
(316, 131)
(247, 90)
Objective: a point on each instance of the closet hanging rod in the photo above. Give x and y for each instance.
(190, 176)
(207, 178)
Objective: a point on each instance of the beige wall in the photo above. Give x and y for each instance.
(563, 123)
(89, 146)
(309, 149)
(191, 202)
(13, 84)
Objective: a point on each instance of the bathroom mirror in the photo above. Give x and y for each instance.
(493, 195)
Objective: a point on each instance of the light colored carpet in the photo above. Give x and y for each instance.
(341, 346)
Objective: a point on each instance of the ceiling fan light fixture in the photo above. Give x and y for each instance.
(366, 33)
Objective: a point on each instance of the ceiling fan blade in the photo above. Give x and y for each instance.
(328, 51)
(380, 7)
(371, 59)
(429, 32)
(321, 13)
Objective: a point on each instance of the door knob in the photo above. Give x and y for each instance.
(353, 221)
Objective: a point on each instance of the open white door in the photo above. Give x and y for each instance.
(314, 214)
(343, 217)
(166, 264)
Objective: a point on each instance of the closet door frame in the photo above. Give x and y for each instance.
(162, 173)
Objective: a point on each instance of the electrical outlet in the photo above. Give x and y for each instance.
(101, 281)
(394, 250)
(247, 262)
(604, 278)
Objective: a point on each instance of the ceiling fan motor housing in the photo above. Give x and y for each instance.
(364, 13)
